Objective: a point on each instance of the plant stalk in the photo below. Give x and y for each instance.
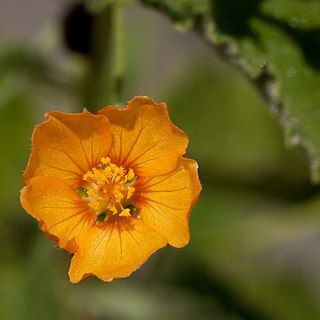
(106, 79)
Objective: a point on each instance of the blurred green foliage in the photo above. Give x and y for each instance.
(276, 43)
(255, 231)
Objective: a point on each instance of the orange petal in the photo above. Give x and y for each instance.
(68, 145)
(62, 214)
(114, 249)
(164, 202)
(144, 138)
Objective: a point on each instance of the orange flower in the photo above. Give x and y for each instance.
(111, 188)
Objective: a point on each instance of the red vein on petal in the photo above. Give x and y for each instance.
(167, 191)
(68, 218)
(146, 151)
(110, 229)
(85, 154)
(160, 203)
(159, 212)
(77, 138)
(97, 156)
(92, 160)
(75, 180)
(121, 147)
(75, 226)
(144, 161)
(66, 170)
(103, 230)
(137, 137)
(120, 243)
(63, 201)
(135, 240)
(144, 182)
(64, 152)
(73, 207)
(145, 234)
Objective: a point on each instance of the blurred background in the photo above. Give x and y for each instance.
(254, 250)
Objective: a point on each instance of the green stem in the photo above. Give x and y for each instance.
(107, 67)
(118, 51)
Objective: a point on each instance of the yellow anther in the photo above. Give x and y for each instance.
(130, 192)
(105, 160)
(88, 175)
(125, 213)
(130, 174)
(118, 195)
(91, 192)
(95, 204)
(111, 207)
(107, 174)
(108, 187)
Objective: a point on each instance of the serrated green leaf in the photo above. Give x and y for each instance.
(277, 44)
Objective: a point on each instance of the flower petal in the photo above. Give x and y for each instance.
(62, 214)
(68, 145)
(144, 138)
(164, 202)
(114, 249)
